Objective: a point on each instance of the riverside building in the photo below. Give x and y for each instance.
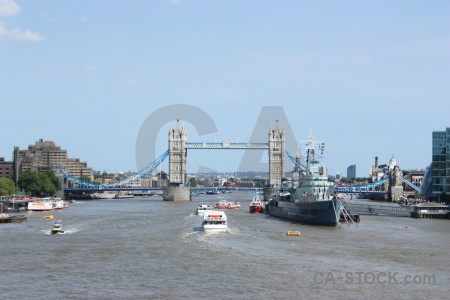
(351, 172)
(46, 156)
(440, 166)
(6, 168)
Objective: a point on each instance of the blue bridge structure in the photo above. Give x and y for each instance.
(194, 191)
(125, 184)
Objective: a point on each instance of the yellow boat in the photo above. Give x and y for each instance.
(297, 233)
(49, 217)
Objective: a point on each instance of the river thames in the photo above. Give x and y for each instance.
(146, 248)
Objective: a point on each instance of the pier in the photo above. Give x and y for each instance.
(431, 211)
(422, 210)
(378, 209)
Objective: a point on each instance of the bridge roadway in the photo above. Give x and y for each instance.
(205, 189)
(359, 191)
(227, 145)
(197, 190)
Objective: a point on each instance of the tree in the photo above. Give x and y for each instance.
(7, 187)
(259, 184)
(193, 182)
(39, 183)
(355, 179)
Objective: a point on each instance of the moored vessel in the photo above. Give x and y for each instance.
(60, 204)
(47, 204)
(212, 192)
(7, 218)
(44, 204)
(313, 199)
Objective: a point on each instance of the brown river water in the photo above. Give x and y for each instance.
(145, 248)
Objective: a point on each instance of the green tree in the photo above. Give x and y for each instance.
(7, 187)
(193, 182)
(352, 180)
(39, 183)
(259, 184)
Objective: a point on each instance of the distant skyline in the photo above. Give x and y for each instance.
(370, 78)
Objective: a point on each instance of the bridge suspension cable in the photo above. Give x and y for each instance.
(296, 161)
(366, 186)
(130, 179)
(81, 181)
(418, 189)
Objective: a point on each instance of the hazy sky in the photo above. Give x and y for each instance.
(370, 78)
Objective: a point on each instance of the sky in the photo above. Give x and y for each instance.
(370, 78)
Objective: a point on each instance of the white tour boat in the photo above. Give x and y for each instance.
(59, 203)
(41, 205)
(215, 220)
(203, 208)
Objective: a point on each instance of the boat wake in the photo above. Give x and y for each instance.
(49, 232)
(71, 230)
(66, 231)
(120, 226)
(214, 232)
(191, 216)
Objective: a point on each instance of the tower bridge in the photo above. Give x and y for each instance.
(178, 147)
(177, 154)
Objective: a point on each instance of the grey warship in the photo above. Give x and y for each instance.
(313, 199)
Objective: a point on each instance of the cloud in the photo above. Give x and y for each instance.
(8, 8)
(83, 19)
(18, 34)
(89, 68)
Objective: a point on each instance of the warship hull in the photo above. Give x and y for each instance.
(320, 212)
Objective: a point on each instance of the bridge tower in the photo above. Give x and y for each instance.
(277, 147)
(177, 154)
(396, 185)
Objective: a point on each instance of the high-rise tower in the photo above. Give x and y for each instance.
(277, 144)
(177, 154)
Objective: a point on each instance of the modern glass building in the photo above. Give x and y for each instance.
(351, 171)
(440, 172)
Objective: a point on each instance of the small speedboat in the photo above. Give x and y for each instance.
(57, 227)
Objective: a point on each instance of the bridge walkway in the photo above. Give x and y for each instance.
(393, 210)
